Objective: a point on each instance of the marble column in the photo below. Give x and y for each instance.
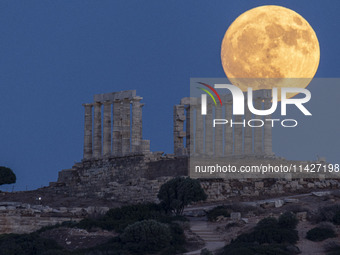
(199, 131)
(136, 132)
(267, 136)
(238, 137)
(107, 129)
(209, 133)
(179, 118)
(218, 133)
(88, 131)
(126, 126)
(248, 132)
(189, 129)
(258, 130)
(145, 146)
(228, 131)
(97, 139)
(117, 128)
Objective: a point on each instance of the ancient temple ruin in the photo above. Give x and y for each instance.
(120, 131)
(118, 164)
(195, 135)
(116, 135)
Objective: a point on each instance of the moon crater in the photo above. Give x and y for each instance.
(270, 42)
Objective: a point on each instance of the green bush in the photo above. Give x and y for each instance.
(326, 213)
(288, 220)
(268, 230)
(333, 249)
(153, 236)
(67, 224)
(146, 236)
(270, 235)
(55, 252)
(180, 192)
(7, 176)
(177, 235)
(119, 218)
(218, 211)
(320, 233)
(254, 249)
(114, 246)
(269, 222)
(336, 218)
(13, 244)
(206, 252)
(90, 224)
(177, 241)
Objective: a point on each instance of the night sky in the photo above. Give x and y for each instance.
(55, 55)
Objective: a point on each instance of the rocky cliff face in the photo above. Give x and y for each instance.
(111, 182)
(22, 218)
(137, 178)
(128, 179)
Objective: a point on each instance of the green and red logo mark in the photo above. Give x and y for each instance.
(209, 93)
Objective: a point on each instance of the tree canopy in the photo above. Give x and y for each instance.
(7, 176)
(179, 192)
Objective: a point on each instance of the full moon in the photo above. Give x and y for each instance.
(270, 46)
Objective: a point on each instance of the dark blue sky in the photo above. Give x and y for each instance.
(55, 55)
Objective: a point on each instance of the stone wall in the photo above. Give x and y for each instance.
(140, 190)
(137, 178)
(222, 189)
(133, 178)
